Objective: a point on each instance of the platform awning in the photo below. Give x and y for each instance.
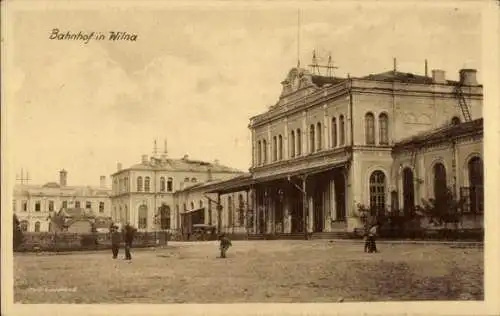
(193, 211)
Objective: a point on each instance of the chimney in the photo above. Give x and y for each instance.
(103, 181)
(438, 76)
(209, 173)
(426, 69)
(468, 77)
(63, 177)
(144, 159)
(118, 166)
(186, 157)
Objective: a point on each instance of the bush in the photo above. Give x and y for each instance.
(89, 241)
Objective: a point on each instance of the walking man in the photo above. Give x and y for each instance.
(225, 243)
(116, 239)
(128, 233)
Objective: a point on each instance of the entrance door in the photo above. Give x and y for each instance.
(340, 193)
(296, 211)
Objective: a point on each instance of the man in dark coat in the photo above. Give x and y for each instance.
(225, 243)
(116, 239)
(128, 234)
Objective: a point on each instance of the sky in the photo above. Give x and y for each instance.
(195, 75)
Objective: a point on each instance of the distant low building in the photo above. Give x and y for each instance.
(36, 204)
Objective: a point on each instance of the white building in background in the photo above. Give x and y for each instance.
(143, 191)
(35, 203)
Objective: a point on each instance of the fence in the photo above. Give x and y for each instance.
(92, 241)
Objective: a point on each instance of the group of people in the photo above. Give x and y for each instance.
(126, 235)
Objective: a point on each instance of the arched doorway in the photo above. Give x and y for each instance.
(165, 216)
(377, 192)
(408, 190)
(475, 167)
(143, 217)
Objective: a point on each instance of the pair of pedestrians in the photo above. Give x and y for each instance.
(127, 235)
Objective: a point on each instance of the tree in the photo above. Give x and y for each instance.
(443, 212)
(17, 233)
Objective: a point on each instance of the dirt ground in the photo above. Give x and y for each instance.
(255, 271)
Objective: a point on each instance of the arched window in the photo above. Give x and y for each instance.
(192, 205)
(292, 144)
(147, 184)
(311, 138)
(319, 137)
(383, 122)
(143, 217)
(334, 132)
(165, 216)
(186, 179)
(275, 148)
(259, 152)
(341, 131)
(37, 227)
(369, 129)
(50, 227)
(440, 186)
(162, 184)
(408, 190)
(455, 120)
(299, 142)
(101, 207)
(377, 191)
(201, 204)
(139, 184)
(170, 185)
(280, 147)
(126, 184)
(193, 180)
(229, 211)
(475, 167)
(264, 151)
(24, 226)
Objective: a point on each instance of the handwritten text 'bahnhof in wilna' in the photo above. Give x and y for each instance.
(86, 37)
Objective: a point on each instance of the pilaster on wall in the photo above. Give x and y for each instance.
(303, 137)
(310, 213)
(285, 140)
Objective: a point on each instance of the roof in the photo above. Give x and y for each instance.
(52, 188)
(404, 77)
(440, 134)
(233, 185)
(76, 212)
(182, 164)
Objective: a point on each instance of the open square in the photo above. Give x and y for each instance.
(255, 271)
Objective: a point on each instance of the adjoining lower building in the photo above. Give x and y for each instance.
(385, 141)
(35, 204)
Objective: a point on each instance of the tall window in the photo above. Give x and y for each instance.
(170, 185)
(51, 206)
(101, 207)
(162, 184)
(369, 129)
(275, 148)
(292, 144)
(341, 131)
(37, 227)
(311, 138)
(334, 132)
(37, 206)
(229, 211)
(280, 147)
(377, 191)
(475, 167)
(383, 122)
(88, 204)
(259, 153)
(264, 151)
(192, 205)
(65, 204)
(440, 186)
(299, 142)
(24, 226)
(147, 184)
(77, 204)
(143, 217)
(408, 190)
(319, 137)
(139, 184)
(241, 210)
(25, 206)
(125, 184)
(193, 180)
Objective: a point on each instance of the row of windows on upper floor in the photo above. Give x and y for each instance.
(144, 185)
(37, 207)
(316, 138)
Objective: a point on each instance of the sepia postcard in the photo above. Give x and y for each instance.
(250, 157)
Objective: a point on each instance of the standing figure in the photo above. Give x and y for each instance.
(225, 243)
(116, 239)
(128, 232)
(372, 233)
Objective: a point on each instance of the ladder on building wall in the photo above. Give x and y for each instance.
(463, 104)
